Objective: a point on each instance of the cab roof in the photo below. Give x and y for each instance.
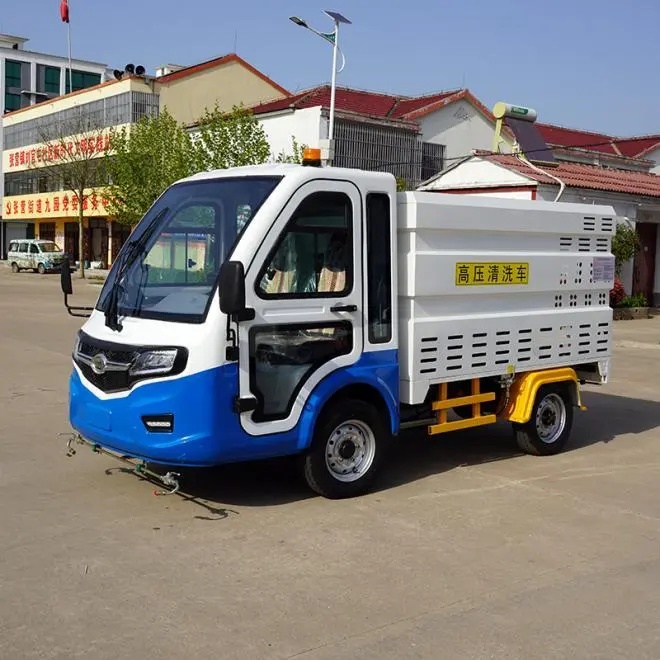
(300, 172)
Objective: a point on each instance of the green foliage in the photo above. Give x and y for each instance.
(146, 158)
(625, 244)
(636, 300)
(401, 184)
(155, 152)
(229, 139)
(296, 154)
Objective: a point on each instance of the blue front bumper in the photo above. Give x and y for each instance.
(206, 429)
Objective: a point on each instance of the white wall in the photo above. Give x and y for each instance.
(655, 156)
(477, 173)
(461, 128)
(305, 125)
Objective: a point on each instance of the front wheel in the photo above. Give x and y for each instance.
(41, 269)
(15, 268)
(548, 430)
(347, 450)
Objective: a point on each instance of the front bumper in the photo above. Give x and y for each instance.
(206, 429)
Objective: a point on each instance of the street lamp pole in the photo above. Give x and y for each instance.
(333, 38)
(333, 82)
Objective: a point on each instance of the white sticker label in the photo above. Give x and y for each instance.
(603, 269)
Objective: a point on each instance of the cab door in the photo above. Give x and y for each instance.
(306, 289)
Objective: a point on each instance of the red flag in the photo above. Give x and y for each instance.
(64, 11)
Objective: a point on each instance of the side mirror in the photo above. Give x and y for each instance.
(67, 290)
(231, 288)
(65, 277)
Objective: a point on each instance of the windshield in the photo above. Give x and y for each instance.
(49, 247)
(189, 232)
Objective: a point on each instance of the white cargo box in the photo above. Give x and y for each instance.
(492, 286)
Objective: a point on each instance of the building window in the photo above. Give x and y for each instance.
(51, 80)
(103, 113)
(379, 269)
(13, 74)
(82, 80)
(12, 102)
(433, 159)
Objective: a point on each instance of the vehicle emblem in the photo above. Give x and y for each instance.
(99, 364)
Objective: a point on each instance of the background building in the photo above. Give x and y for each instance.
(28, 78)
(36, 204)
(412, 137)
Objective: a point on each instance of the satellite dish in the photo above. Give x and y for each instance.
(118, 74)
(140, 70)
(130, 68)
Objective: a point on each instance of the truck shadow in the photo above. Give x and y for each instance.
(607, 419)
(415, 456)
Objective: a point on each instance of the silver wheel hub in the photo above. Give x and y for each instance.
(551, 418)
(350, 450)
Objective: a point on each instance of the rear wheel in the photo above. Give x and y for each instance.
(548, 430)
(41, 269)
(347, 450)
(14, 268)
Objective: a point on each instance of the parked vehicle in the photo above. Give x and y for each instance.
(294, 310)
(34, 254)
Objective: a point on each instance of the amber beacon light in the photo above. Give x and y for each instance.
(312, 157)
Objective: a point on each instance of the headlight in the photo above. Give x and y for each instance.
(151, 363)
(76, 346)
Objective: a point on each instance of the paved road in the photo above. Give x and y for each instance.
(468, 551)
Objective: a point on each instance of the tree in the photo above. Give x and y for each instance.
(152, 154)
(229, 139)
(146, 159)
(73, 152)
(625, 244)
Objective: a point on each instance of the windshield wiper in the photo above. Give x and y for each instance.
(130, 252)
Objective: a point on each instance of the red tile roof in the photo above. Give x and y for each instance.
(638, 147)
(634, 147)
(577, 175)
(373, 104)
(568, 137)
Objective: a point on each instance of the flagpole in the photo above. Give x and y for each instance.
(68, 33)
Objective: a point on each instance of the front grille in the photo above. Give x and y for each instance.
(120, 354)
(90, 350)
(110, 381)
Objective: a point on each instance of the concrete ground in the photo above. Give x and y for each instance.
(468, 549)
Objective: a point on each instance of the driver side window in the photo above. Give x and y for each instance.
(314, 255)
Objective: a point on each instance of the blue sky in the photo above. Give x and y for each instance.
(592, 64)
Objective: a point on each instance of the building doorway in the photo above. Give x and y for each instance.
(98, 241)
(71, 240)
(47, 231)
(644, 264)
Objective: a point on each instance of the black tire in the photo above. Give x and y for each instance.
(15, 268)
(41, 269)
(549, 427)
(360, 439)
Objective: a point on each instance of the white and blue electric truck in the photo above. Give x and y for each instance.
(315, 311)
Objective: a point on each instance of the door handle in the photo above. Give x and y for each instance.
(344, 308)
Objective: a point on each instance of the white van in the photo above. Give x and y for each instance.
(34, 254)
